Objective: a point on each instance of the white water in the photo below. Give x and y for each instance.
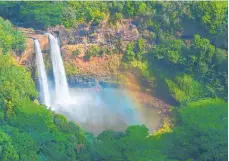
(61, 85)
(106, 109)
(44, 90)
(94, 110)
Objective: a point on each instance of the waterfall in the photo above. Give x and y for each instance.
(61, 85)
(44, 91)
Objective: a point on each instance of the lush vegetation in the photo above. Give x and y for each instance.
(169, 15)
(191, 71)
(198, 135)
(70, 69)
(190, 61)
(31, 132)
(10, 39)
(46, 14)
(75, 53)
(94, 51)
(180, 52)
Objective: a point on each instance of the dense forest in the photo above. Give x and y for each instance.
(182, 51)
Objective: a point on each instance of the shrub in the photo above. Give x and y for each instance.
(70, 69)
(75, 53)
(92, 52)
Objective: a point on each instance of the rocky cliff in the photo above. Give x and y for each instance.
(81, 38)
(104, 70)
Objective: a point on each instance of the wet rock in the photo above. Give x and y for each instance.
(84, 81)
(87, 81)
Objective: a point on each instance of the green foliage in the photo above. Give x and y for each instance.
(24, 145)
(116, 18)
(45, 13)
(15, 83)
(202, 132)
(69, 17)
(37, 133)
(71, 69)
(172, 60)
(184, 88)
(7, 150)
(129, 54)
(170, 50)
(205, 62)
(135, 50)
(52, 137)
(191, 69)
(141, 8)
(204, 52)
(166, 128)
(89, 11)
(213, 15)
(93, 51)
(133, 145)
(39, 15)
(29, 131)
(75, 53)
(10, 39)
(220, 56)
(140, 45)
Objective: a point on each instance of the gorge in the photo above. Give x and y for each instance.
(97, 108)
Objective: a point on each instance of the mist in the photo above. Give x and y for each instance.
(102, 109)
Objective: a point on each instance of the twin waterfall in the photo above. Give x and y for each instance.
(96, 111)
(61, 85)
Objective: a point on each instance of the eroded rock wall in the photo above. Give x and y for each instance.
(98, 71)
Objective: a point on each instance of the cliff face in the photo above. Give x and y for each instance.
(27, 57)
(103, 70)
(81, 38)
(103, 34)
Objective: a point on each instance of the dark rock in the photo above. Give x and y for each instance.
(95, 34)
(87, 81)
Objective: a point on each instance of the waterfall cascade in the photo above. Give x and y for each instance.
(44, 94)
(96, 111)
(61, 85)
